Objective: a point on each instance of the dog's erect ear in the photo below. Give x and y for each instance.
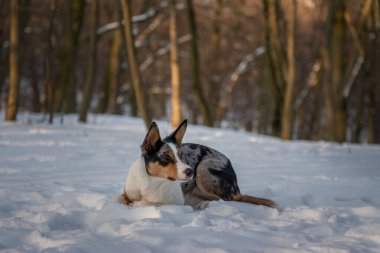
(178, 134)
(151, 138)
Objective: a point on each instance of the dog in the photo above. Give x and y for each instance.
(172, 172)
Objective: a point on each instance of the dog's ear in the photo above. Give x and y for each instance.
(152, 138)
(178, 134)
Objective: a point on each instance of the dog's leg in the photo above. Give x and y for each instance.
(215, 183)
(123, 199)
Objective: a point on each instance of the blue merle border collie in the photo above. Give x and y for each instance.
(172, 172)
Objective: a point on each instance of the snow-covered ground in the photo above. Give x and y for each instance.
(58, 184)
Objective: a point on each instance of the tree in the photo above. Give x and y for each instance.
(114, 65)
(274, 60)
(335, 48)
(195, 73)
(49, 86)
(133, 64)
(176, 116)
(287, 113)
(12, 103)
(91, 69)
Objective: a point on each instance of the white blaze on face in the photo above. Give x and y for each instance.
(181, 167)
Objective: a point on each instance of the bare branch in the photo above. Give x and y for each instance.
(156, 22)
(231, 82)
(312, 81)
(161, 52)
(360, 59)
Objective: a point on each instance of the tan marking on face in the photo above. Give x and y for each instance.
(169, 171)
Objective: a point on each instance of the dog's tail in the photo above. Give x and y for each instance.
(255, 201)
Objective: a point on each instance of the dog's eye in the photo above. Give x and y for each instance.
(166, 159)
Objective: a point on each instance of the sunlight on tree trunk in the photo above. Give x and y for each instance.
(336, 58)
(133, 64)
(176, 116)
(12, 104)
(287, 115)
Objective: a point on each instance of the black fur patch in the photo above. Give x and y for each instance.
(227, 181)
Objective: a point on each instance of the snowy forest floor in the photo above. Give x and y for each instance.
(58, 185)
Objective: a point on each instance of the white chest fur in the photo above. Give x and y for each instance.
(140, 186)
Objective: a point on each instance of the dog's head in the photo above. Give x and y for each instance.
(163, 157)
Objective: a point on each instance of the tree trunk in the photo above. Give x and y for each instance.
(337, 62)
(113, 105)
(12, 104)
(133, 64)
(176, 116)
(65, 91)
(335, 42)
(76, 20)
(272, 54)
(49, 86)
(195, 73)
(287, 114)
(91, 69)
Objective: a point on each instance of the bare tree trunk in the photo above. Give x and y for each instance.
(336, 53)
(215, 78)
(35, 104)
(274, 61)
(328, 95)
(287, 114)
(49, 86)
(133, 64)
(333, 62)
(373, 89)
(197, 86)
(76, 20)
(65, 90)
(108, 94)
(176, 116)
(113, 105)
(91, 69)
(12, 104)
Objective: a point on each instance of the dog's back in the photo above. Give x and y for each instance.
(214, 178)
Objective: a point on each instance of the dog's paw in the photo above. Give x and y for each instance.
(202, 205)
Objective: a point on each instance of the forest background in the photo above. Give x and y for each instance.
(298, 69)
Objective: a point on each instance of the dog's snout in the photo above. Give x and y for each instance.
(189, 172)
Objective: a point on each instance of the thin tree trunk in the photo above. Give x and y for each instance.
(108, 97)
(35, 105)
(91, 71)
(372, 89)
(65, 92)
(133, 64)
(49, 86)
(215, 78)
(113, 105)
(287, 115)
(176, 116)
(195, 73)
(273, 61)
(337, 60)
(76, 20)
(12, 104)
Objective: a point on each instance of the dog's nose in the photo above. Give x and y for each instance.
(189, 172)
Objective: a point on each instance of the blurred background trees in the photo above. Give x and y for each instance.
(298, 69)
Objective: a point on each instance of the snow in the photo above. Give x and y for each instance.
(58, 185)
